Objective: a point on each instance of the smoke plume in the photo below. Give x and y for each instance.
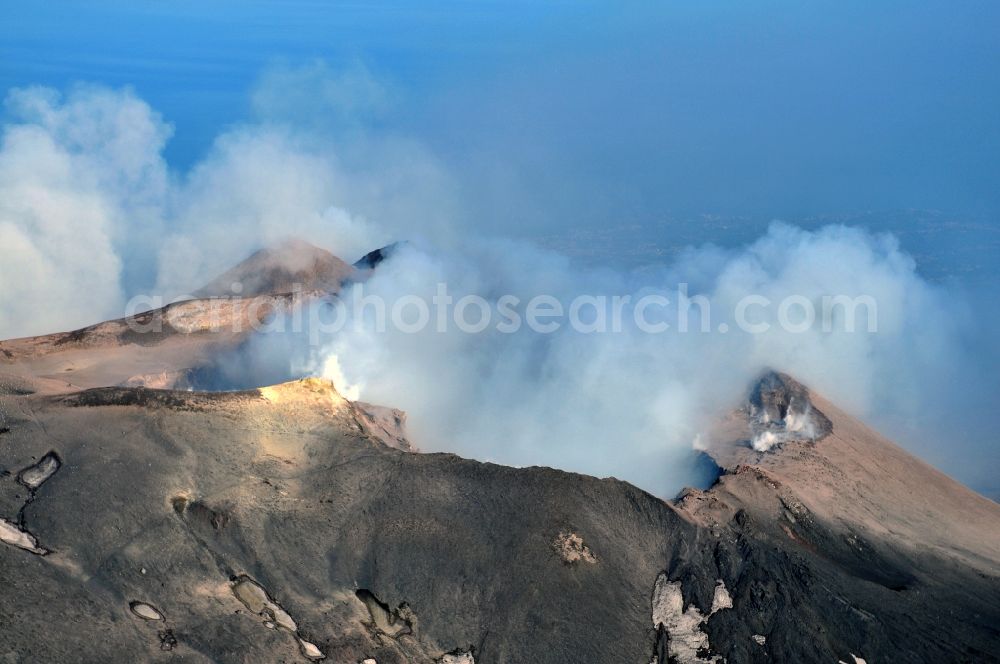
(630, 403)
(91, 215)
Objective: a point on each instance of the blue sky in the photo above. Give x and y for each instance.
(559, 114)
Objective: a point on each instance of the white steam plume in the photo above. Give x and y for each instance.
(630, 403)
(81, 182)
(90, 214)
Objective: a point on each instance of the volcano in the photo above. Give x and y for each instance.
(141, 520)
(288, 266)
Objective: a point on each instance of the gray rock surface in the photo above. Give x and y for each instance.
(176, 498)
(288, 524)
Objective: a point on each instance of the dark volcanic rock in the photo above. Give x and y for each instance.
(372, 259)
(175, 499)
(780, 410)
